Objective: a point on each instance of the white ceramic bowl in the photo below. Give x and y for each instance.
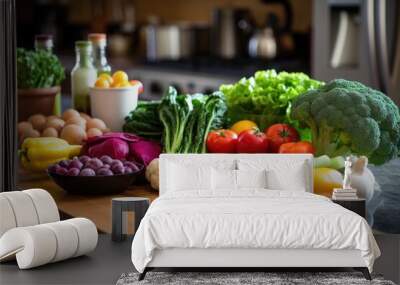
(112, 105)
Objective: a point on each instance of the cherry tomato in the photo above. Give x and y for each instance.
(102, 83)
(121, 84)
(106, 77)
(252, 141)
(279, 134)
(222, 141)
(119, 76)
(137, 82)
(297, 147)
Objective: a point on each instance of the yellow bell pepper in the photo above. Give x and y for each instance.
(40, 153)
(325, 180)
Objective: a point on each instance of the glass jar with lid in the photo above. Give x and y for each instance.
(44, 42)
(83, 76)
(99, 42)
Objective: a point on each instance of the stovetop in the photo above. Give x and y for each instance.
(235, 68)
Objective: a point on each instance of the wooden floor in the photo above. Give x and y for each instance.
(95, 208)
(102, 266)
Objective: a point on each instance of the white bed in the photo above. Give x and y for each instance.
(248, 227)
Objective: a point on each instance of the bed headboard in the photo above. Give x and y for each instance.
(231, 159)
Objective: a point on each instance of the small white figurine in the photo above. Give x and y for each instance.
(347, 173)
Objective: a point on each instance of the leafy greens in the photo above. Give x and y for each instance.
(265, 97)
(38, 69)
(184, 120)
(144, 121)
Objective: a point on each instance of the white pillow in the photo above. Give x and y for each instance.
(224, 179)
(290, 179)
(251, 178)
(183, 177)
(282, 173)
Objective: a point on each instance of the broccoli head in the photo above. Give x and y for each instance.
(347, 117)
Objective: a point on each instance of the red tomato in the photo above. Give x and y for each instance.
(134, 82)
(279, 134)
(297, 147)
(222, 141)
(252, 141)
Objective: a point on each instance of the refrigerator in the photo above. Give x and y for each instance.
(358, 40)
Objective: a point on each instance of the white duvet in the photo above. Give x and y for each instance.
(250, 219)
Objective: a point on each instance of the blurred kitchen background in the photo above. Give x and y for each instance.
(198, 45)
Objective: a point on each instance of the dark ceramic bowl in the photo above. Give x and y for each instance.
(95, 185)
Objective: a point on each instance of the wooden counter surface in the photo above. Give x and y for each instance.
(95, 208)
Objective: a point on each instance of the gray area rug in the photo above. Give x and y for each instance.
(243, 278)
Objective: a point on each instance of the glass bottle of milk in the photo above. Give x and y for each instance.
(83, 76)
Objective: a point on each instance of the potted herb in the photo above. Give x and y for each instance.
(39, 75)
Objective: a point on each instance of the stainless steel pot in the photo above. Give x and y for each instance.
(232, 29)
(263, 44)
(168, 42)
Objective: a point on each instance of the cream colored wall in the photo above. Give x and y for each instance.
(201, 11)
(82, 11)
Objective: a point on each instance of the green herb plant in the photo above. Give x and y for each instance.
(38, 69)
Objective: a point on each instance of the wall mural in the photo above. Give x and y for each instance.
(352, 130)
(383, 204)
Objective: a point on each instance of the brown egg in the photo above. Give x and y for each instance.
(55, 123)
(77, 121)
(50, 132)
(73, 134)
(38, 122)
(93, 132)
(23, 127)
(70, 113)
(29, 133)
(96, 123)
(84, 116)
(52, 117)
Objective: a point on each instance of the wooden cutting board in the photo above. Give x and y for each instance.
(95, 208)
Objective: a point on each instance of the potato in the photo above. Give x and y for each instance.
(73, 134)
(55, 123)
(84, 116)
(77, 121)
(96, 123)
(38, 122)
(50, 132)
(23, 127)
(93, 132)
(70, 113)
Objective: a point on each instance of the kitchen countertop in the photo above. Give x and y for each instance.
(204, 65)
(94, 207)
